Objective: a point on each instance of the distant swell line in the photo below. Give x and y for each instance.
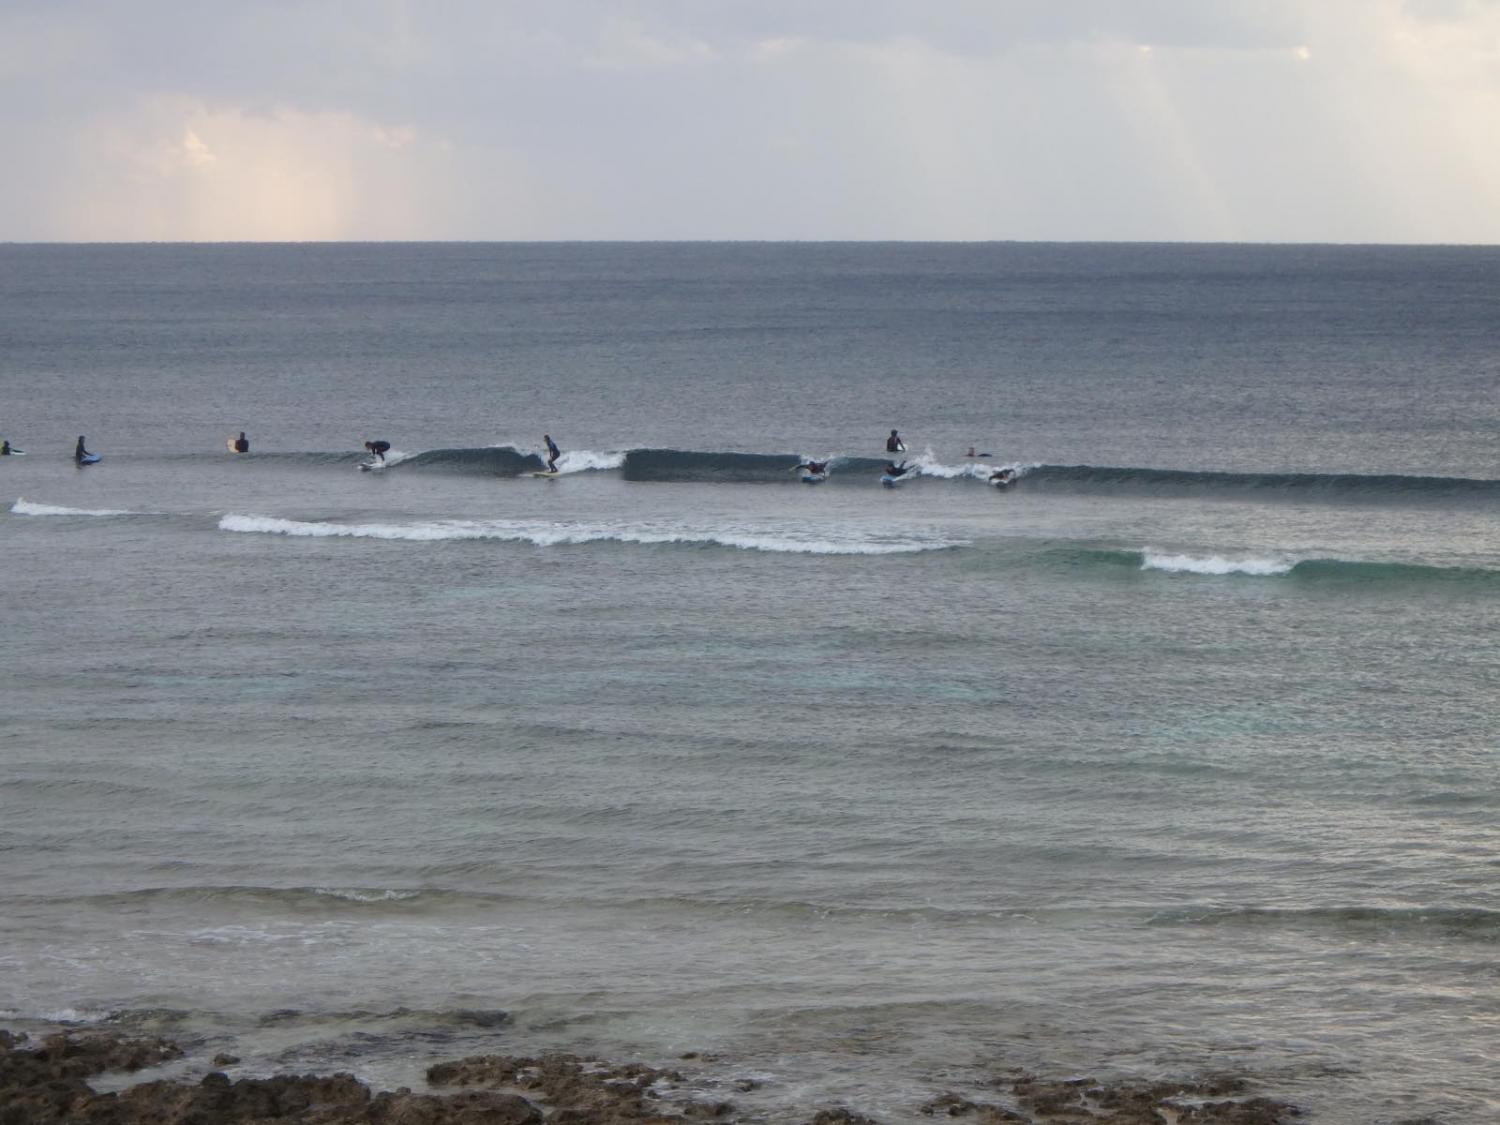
(1472, 923)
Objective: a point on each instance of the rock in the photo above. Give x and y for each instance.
(841, 1116)
(952, 1105)
(1083, 1101)
(225, 1060)
(582, 1091)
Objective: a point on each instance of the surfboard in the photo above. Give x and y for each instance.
(16, 453)
(545, 475)
(890, 481)
(370, 466)
(813, 478)
(91, 459)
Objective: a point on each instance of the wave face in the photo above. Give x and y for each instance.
(1287, 486)
(23, 507)
(497, 460)
(542, 534)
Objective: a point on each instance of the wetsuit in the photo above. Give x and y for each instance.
(815, 467)
(553, 453)
(79, 452)
(242, 443)
(893, 444)
(378, 448)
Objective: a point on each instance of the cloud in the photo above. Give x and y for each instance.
(1172, 119)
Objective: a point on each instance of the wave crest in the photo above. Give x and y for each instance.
(787, 540)
(24, 507)
(1214, 564)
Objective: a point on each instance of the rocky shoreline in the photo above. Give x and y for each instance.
(45, 1082)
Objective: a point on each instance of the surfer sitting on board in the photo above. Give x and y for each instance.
(378, 449)
(894, 444)
(240, 444)
(553, 453)
(80, 454)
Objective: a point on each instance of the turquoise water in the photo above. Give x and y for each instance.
(1177, 755)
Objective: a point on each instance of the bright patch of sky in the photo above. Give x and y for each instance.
(1260, 120)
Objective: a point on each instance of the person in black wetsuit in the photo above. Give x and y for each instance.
(553, 453)
(5, 448)
(378, 449)
(79, 452)
(894, 470)
(816, 468)
(240, 444)
(894, 444)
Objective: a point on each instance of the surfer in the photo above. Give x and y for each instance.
(894, 444)
(378, 449)
(5, 448)
(240, 444)
(80, 454)
(1002, 477)
(816, 468)
(892, 469)
(553, 453)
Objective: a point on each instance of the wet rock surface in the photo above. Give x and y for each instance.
(45, 1083)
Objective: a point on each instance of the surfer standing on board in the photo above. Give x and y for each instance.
(553, 453)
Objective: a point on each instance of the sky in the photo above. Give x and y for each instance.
(1170, 120)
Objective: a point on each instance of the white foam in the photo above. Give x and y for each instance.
(583, 460)
(59, 1015)
(787, 540)
(24, 507)
(354, 894)
(928, 465)
(1214, 564)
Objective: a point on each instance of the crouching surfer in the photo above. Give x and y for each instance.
(893, 473)
(814, 468)
(378, 450)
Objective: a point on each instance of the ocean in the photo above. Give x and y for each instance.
(1177, 756)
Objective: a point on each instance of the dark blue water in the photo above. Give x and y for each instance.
(1178, 754)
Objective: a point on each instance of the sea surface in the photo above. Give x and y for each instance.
(1177, 756)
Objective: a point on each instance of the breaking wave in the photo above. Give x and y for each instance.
(1214, 564)
(786, 540)
(23, 507)
(727, 466)
(1272, 565)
